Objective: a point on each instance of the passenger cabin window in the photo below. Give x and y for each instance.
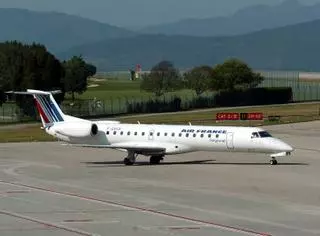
(114, 132)
(121, 132)
(107, 132)
(264, 134)
(135, 133)
(180, 135)
(194, 135)
(143, 133)
(165, 134)
(202, 135)
(128, 133)
(158, 134)
(172, 134)
(209, 135)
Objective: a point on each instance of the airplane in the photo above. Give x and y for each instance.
(154, 140)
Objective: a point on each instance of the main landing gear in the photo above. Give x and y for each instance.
(273, 161)
(131, 159)
(154, 160)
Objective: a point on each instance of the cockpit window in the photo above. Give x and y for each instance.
(264, 134)
(255, 135)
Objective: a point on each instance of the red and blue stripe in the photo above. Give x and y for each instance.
(47, 109)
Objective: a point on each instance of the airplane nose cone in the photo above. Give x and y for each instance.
(287, 148)
(281, 146)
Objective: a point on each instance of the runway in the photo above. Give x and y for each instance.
(50, 189)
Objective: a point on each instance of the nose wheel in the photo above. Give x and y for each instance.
(273, 161)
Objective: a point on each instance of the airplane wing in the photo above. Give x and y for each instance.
(136, 147)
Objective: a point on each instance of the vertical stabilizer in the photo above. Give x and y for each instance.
(48, 108)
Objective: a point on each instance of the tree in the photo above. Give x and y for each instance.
(77, 72)
(163, 77)
(198, 79)
(234, 73)
(25, 66)
(91, 69)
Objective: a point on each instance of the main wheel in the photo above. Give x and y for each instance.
(273, 162)
(154, 160)
(127, 162)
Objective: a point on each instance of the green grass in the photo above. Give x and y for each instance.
(109, 89)
(289, 114)
(30, 133)
(113, 89)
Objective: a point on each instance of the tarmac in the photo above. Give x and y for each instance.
(51, 189)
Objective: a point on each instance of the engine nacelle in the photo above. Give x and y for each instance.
(76, 129)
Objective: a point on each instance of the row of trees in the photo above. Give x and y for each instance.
(230, 75)
(25, 66)
(32, 66)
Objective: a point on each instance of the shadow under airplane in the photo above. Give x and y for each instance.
(197, 162)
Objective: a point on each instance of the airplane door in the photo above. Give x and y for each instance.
(230, 140)
(151, 135)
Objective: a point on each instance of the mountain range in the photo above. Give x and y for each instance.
(293, 47)
(244, 21)
(266, 37)
(57, 31)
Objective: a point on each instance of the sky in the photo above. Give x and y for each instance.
(140, 13)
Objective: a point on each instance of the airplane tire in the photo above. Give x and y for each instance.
(273, 162)
(127, 162)
(154, 160)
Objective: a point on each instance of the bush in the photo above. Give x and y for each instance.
(154, 106)
(200, 102)
(254, 96)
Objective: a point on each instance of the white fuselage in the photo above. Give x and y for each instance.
(155, 141)
(181, 138)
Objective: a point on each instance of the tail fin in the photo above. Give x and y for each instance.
(48, 108)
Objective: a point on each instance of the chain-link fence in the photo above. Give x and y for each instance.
(126, 105)
(303, 90)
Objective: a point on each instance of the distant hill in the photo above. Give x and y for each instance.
(295, 47)
(244, 21)
(57, 31)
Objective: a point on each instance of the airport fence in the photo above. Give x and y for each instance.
(303, 91)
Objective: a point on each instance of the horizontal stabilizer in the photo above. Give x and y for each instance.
(32, 92)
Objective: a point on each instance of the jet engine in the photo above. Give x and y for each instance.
(77, 129)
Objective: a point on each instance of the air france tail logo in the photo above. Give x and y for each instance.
(47, 109)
